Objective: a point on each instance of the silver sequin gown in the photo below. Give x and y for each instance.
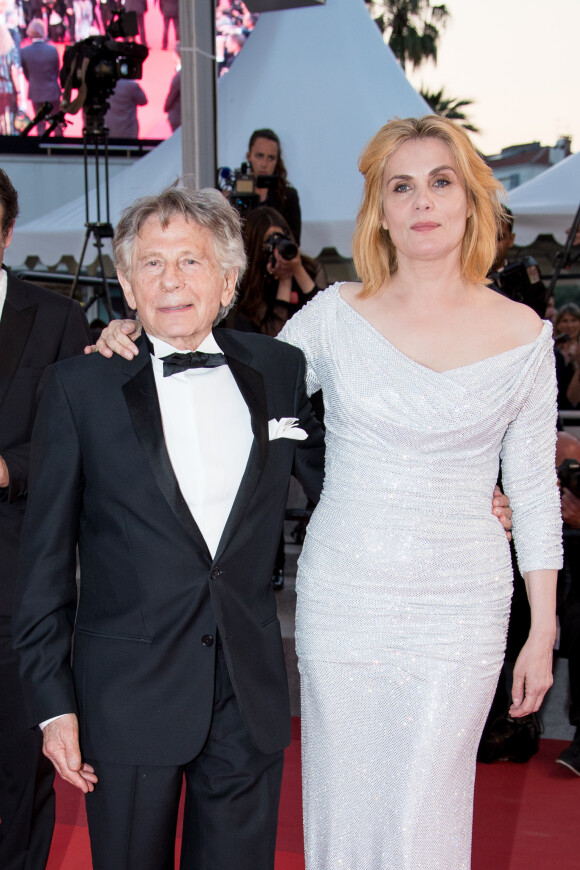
(404, 583)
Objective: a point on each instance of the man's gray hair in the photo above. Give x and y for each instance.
(207, 208)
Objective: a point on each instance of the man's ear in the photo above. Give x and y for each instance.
(8, 236)
(231, 278)
(127, 290)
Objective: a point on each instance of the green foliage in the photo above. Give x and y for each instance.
(449, 107)
(414, 27)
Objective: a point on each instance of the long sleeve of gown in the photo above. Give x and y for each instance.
(529, 473)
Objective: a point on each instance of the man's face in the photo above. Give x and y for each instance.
(175, 284)
(5, 238)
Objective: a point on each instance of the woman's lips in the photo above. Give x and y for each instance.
(424, 226)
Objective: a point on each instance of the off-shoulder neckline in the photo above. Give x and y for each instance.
(546, 327)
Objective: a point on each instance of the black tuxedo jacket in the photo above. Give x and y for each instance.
(152, 599)
(37, 328)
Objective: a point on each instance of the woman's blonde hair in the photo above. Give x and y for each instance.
(375, 256)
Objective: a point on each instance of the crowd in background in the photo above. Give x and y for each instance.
(234, 23)
(67, 21)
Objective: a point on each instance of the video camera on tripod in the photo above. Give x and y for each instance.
(240, 186)
(95, 65)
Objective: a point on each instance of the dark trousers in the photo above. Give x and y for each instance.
(166, 21)
(41, 126)
(232, 792)
(141, 26)
(26, 776)
(570, 646)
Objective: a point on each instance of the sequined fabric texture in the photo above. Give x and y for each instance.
(404, 583)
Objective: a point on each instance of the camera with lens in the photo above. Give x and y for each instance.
(95, 65)
(282, 243)
(240, 186)
(522, 282)
(569, 475)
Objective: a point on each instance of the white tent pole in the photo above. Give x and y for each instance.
(198, 90)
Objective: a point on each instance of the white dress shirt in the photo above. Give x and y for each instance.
(208, 435)
(3, 289)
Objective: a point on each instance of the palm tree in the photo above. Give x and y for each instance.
(414, 34)
(449, 107)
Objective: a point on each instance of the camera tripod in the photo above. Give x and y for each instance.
(95, 147)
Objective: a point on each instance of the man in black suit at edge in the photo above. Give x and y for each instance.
(173, 481)
(37, 327)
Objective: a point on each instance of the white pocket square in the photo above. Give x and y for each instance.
(286, 427)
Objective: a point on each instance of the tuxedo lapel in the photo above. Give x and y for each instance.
(15, 326)
(251, 385)
(143, 404)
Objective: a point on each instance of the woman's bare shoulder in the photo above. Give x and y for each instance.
(521, 321)
(349, 290)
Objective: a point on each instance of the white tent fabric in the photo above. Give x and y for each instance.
(547, 203)
(322, 78)
(325, 81)
(61, 232)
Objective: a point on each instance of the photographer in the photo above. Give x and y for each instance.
(520, 280)
(568, 448)
(566, 331)
(279, 279)
(265, 158)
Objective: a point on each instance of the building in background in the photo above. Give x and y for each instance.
(519, 163)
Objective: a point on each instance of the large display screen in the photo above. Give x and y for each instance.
(34, 35)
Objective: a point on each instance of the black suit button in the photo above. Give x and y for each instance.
(207, 640)
(217, 572)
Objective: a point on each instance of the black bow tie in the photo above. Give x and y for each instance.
(181, 362)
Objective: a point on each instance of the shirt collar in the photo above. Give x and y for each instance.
(162, 348)
(3, 288)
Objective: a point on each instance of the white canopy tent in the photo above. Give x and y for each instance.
(322, 78)
(547, 203)
(325, 81)
(61, 232)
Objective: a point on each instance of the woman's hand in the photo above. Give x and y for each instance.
(282, 268)
(118, 337)
(533, 668)
(532, 675)
(286, 270)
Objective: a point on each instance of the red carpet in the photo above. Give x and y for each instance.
(526, 816)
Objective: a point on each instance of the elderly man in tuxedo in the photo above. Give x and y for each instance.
(170, 472)
(37, 328)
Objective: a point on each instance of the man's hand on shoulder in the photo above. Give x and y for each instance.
(61, 746)
(501, 509)
(117, 337)
(4, 474)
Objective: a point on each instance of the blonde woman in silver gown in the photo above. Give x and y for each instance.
(404, 582)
